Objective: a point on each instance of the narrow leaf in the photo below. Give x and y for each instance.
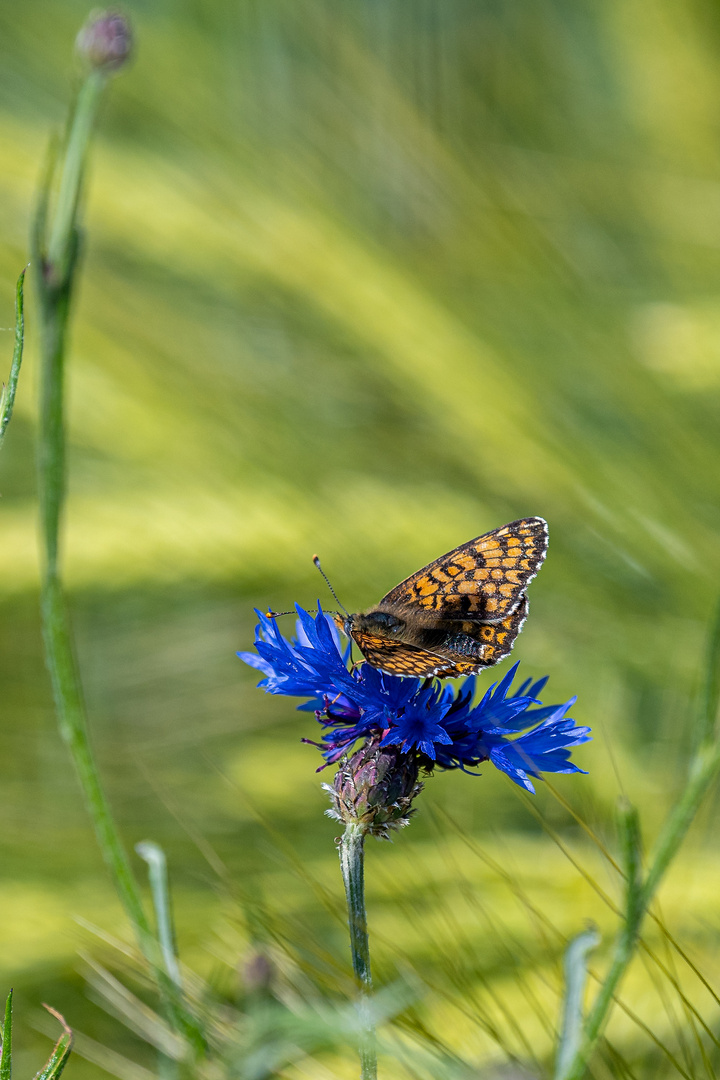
(6, 1052)
(630, 846)
(710, 698)
(154, 856)
(7, 400)
(57, 1061)
(575, 968)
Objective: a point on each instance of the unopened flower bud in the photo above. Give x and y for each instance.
(375, 788)
(105, 41)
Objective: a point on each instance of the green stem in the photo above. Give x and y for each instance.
(55, 278)
(73, 726)
(7, 398)
(59, 247)
(704, 769)
(352, 863)
(154, 856)
(6, 1052)
(710, 694)
(575, 971)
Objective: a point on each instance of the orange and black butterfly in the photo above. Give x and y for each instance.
(458, 614)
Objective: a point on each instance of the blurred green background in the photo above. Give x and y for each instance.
(366, 278)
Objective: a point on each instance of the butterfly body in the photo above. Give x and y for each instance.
(458, 614)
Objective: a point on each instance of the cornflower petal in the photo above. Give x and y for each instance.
(420, 725)
(431, 723)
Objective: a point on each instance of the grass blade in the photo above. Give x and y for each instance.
(154, 856)
(6, 1052)
(7, 398)
(575, 967)
(57, 1061)
(710, 699)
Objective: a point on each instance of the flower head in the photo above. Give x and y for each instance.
(375, 788)
(431, 724)
(105, 41)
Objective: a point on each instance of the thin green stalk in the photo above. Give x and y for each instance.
(575, 970)
(710, 695)
(627, 939)
(7, 396)
(58, 1059)
(703, 771)
(55, 290)
(60, 243)
(352, 845)
(704, 768)
(56, 269)
(73, 726)
(6, 1052)
(154, 856)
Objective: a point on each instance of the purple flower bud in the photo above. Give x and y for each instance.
(375, 788)
(105, 41)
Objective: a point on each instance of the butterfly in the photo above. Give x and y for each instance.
(458, 614)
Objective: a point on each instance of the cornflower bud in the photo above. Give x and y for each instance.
(375, 788)
(105, 41)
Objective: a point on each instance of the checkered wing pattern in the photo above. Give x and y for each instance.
(483, 580)
(476, 646)
(399, 658)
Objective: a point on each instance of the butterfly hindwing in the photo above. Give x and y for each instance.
(475, 646)
(399, 658)
(493, 640)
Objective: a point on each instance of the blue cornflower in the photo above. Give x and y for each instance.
(421, 719)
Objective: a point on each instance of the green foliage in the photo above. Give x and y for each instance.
(7, 395)
(575, 972)
(55, 1064)
(6, 1053)
(61, 1051)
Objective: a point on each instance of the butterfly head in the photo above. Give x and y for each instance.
(379, 623)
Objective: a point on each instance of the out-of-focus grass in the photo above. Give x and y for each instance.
(367, 279)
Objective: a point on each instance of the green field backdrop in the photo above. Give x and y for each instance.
(368, 278)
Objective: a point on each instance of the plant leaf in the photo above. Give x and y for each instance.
(575, 967)
(57, 1061)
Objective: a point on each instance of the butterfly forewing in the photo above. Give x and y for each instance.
(483, 579)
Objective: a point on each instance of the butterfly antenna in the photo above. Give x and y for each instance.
(270, 614)
(316, 560)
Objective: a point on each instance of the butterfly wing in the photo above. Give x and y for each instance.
(399, 658)
(483, 580)
(478, 645)
(494, 640)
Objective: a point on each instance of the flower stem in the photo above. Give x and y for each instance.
(55, 283)
(55, 264)
(60, 241)
(352, 852)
